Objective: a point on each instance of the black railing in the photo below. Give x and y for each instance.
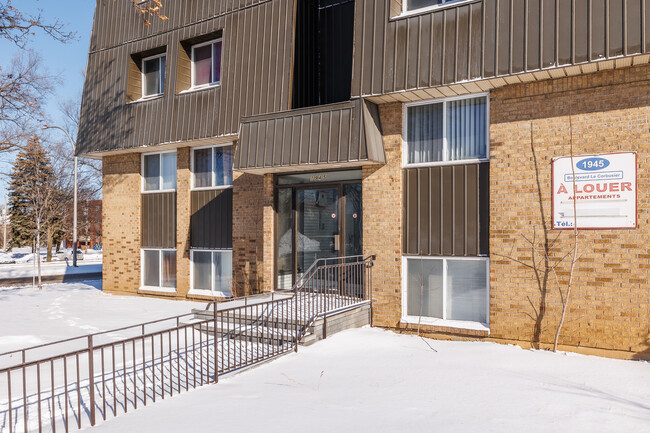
(69, 383)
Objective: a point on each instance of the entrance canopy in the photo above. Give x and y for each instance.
(315, 138)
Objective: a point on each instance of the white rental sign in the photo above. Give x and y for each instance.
(605, 189)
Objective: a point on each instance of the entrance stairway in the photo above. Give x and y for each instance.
(110, 373)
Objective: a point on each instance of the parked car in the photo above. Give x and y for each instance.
(67, 255)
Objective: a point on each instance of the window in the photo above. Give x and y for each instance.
(446, 131)
(153, 76)
(159, 171)
(446, 291)
(411, 5)
(206, 64)
(212, 167)
(212, 271)
(159, 269)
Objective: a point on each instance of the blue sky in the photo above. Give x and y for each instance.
(67, 61)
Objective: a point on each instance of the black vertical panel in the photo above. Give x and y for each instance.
(211, 219)
(533, 34)
(548, 31)
(490, 39)
(598, 33)
(446, 210)
(158, 222)
(634, 24)
(615, 28)
(565, 32)
(581, 33)
(504, 29)
(518, 36)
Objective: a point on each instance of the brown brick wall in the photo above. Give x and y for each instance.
(252, 233)
(183, 209)
(121, 223)
(382, 220)
(530, 124)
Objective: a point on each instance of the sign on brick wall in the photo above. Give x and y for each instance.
(605, 191)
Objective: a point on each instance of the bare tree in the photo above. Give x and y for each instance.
(18, 27)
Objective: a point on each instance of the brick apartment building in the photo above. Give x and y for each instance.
(241, 140)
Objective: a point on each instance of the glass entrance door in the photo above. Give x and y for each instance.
(315, 222)
(317, 226)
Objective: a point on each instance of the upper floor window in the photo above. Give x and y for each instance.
(212, 167)
(411, 5)
(153, 75)
(159, 171)
(206, 64)
(446, 131)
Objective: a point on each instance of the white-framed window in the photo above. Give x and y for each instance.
(206, 64)
(446, 291)
(159, 171)
(424, 5)
(211, 272)
(212, 167)
(446, 131)
(158, 269)
(153, 75)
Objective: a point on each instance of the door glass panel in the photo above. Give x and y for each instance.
(285, 238)
(318, 226)
(353, 220)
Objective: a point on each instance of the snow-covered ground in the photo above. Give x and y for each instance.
(30, 316)
(369, 380)
(18, 256)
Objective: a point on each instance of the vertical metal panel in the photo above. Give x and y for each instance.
(504, 33)
(211, 218)
(159, 220)
(533, 34)
(616, 29)
(598, 32)
(565, 32)
(446, 210)
(518, 36)
(462, 43)
(490, 42)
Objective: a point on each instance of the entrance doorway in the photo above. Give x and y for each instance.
(319, 216)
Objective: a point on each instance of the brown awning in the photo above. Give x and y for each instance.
(315, 138)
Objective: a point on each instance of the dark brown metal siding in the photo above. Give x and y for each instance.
(159, 220)
(446, 210)
(211, 220)
(489, 38)
(255, 75)
(327, 134)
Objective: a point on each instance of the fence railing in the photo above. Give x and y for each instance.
(74, 382)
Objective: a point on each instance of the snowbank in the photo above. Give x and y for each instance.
(369, 380)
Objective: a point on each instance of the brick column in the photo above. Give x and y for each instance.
(382, 220)
(121, 225)
(183, 204)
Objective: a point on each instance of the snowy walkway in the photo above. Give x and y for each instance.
(369, 380)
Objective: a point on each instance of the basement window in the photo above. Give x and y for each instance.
(159, 172)
(451, 292)
(211, 272)
(159, 270)
(446, 131)
(212, 167)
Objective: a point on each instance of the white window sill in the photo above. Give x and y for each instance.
(208, 188)
(199, 88)
(443, 163)
(406, 14)
(209, 293)
(157, 289)
(155, 191)
(147, 98)
(458, 324)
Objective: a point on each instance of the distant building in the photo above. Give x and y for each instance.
(89, 223)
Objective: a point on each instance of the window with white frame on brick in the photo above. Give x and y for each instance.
(446, 131)
(159, 171)
(153, 75)
(446, 291)
(159, 269)
(212, 272)
(212, 167)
